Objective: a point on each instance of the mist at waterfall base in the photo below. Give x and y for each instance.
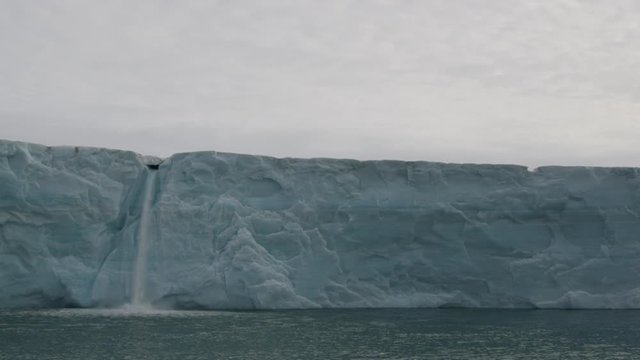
(127, 239)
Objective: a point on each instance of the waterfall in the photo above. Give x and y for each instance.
(138, 292)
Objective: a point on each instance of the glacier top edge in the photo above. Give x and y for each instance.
(146, 159)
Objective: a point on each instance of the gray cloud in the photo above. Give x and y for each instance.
(531, 82)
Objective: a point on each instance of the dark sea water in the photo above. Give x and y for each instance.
(320, 334)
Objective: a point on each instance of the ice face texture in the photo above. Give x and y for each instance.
(240, 231)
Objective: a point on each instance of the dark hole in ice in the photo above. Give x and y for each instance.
(153, 166)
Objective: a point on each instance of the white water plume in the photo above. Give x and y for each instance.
(140, 267)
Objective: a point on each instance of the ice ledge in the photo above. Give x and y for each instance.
(152, 162)
(156, 160)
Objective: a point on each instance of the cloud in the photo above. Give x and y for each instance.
(531, 82)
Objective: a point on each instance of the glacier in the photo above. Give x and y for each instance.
(230, 231)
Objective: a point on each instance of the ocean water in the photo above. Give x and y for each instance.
(320, 334)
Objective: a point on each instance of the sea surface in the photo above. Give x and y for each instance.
(320, 334)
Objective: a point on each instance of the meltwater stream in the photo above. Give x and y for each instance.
(138, 298)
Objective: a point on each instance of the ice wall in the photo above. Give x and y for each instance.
(67, 224)
(240, 231)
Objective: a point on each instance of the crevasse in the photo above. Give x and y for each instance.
(241, 231)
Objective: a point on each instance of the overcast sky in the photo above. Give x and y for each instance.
(532, 82)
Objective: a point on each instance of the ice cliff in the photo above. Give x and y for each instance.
(240, 231)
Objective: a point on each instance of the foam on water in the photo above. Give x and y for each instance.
(126, 311)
